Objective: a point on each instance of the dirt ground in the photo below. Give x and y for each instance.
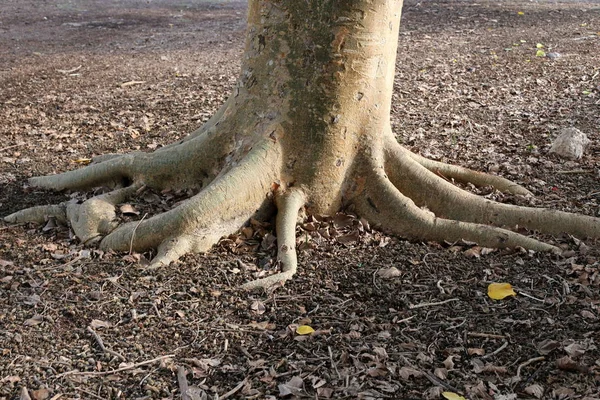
(83, 78)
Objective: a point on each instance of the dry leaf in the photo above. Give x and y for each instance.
(452, 396)
(292, 387)
(304, 330)
(475, 351)
(499, 291)
(263, 326)
(536, 391)
(406, 372)
(129, 209)
(35, 320)
(575, 350)
(387, 273)
(258, 307)
(40, 394)
(4, 263)
(96, 323)
(547, 346)
(441, 373)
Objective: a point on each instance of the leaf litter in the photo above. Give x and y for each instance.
(458, 98)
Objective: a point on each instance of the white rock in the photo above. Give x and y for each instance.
(571, 144)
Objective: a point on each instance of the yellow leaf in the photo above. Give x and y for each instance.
(304, 330)
(452, 396)
(539, 46)
(498, 291)
(84, 161)
(540, 53)
(521, 13)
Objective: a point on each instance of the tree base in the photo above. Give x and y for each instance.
(394, 190)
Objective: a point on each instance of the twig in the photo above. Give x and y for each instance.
(486, 335)
(498, 350)
(101, 344)
(405, 319)
(437, 303)
(522, 293)
(437, 381)
(526, 363)
(10, 147)
(131, 83)
(234, 390)
(183, 383)
(114, 371)
(133, 233)
(94, 395)
(333, 364)
(576, 171)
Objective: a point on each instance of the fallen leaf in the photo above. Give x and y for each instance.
(575, 350)
(292, 387)
(475, 351)
(35, 320)
(566, 363)
(96, 323)
(452, 396)
(40, 394)
(4, 263)
(499, 291)
(540, 53)
(258, 307)
(129, 209)
(304, 330)
(388, 273)
(406, 372)
(263, 326)
(536, 391)
(547, 346)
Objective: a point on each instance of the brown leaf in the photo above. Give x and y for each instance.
(292, 387)
(566, 363)
(128, 209)
(96, 323)
(536, 391)
(448, 363)
(475, 351)
(575, 350)
(406, 372)
(35, 320)
(4, 263)
(547, 346)
(40, 394)
(441, 373)
(388, 273)
(349, 238)
(258, 307)
(263, 326)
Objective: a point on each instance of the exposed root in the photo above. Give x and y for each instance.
(384, 206)
(39, 214)
(111, 172)
(288, 205)
(96, 217)
(219, 209)
(465, 175)
(427, 189)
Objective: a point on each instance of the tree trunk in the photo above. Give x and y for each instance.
(306, 127)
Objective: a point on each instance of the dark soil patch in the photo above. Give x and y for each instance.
(469, 90)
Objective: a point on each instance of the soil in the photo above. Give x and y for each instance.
(392, 319)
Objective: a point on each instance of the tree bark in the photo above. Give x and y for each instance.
(306, 127)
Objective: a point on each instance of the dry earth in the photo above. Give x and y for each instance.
(82, 78)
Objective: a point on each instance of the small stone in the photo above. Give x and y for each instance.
(570, 144)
